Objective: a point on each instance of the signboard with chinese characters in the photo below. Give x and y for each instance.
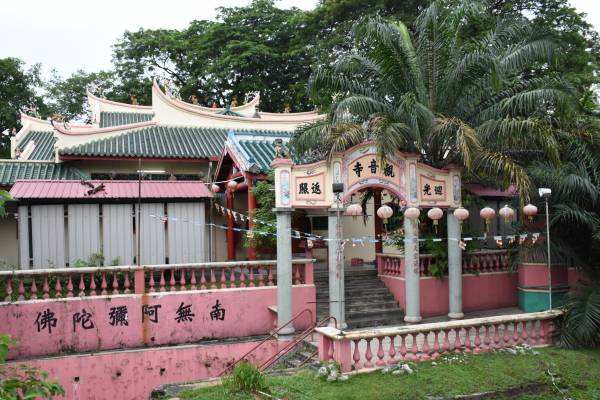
(310, 187)
(359, 168)
(363, 168)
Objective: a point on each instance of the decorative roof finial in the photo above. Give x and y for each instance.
(280, 150)
(134, 100)
(194, 99)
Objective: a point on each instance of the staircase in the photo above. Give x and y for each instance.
(368, 302)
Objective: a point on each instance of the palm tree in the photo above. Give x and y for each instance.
(486, 103)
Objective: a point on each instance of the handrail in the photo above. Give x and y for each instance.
(271, 336)
(280, 353)
(120, 268)
(336, 334)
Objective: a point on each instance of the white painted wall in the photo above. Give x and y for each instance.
(186, 233)
(48, 236)
(84, 231)
(117, 233)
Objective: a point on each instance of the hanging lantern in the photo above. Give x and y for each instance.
(412, 213)
(385, 212)
(507, 213)
(435, 214)
(487, 213)
(354, 210)
(215, 188)
(461, 214)
(530, 211)
(232, 185)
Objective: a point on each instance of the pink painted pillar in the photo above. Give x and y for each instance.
(309, 269)
(342, 354)
(230, 232)
(138, 281)
(325, 345)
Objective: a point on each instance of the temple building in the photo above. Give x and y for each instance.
(171, 140)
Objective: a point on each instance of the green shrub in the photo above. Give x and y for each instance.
(22, 381)
(246, 378)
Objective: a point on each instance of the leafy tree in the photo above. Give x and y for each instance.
(247, 49)
(579, 58)
(4, 197)
(23, 381)
(453, 101)
(264, 217)
(67, 97)
(17, 91)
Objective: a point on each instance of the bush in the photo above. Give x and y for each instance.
(580, 325)
(22, 381)
(246, 378)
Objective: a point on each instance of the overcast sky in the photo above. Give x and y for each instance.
(78, 34)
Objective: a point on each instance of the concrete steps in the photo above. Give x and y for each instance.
(368, 302)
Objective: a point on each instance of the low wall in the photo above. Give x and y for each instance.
(133, 374)
(485, 291)
(95, 323)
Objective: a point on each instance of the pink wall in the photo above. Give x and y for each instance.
(133, 374)
(485, 291)
(537, 275)
(246, 314)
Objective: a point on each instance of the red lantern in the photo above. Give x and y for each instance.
(215, 188)
(530, 211)
(435, 214)
(385, 212)
(487, 213)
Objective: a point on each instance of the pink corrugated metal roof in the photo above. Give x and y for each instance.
(485, 191)
(49, 189)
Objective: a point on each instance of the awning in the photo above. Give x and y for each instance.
(107, 189)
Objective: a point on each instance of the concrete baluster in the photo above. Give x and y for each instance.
(380, 353)
(92, 284)
(34, 289)
(468, 340)
(356, 355)
(81, 285)
(403, 347)
(162, 281)
(172, 281)
(115, 283)
(193, 279)
(182, 280)
(127, 283)
(21, 289)
(425, 346)
(436, 345)
(231, 277)
(58, 288)
(368, 355)
(392, 352)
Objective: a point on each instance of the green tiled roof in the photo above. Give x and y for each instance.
(228, 111)
(44, 145)
(156, 141)
(260, 152)
(122, 118)
(10, 171)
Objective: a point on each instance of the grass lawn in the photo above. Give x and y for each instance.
(578, 371)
